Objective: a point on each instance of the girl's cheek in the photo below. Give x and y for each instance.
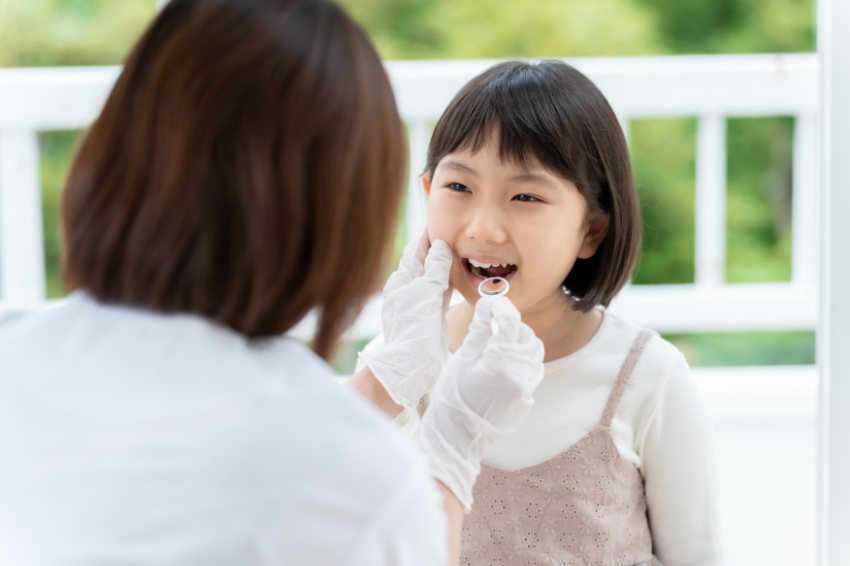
(456, 276)
(439, 222)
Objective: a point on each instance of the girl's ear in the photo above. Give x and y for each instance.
(596, 231)
(426, 184)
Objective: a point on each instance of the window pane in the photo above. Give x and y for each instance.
(758, 199)
(57, 148)
(663, 154)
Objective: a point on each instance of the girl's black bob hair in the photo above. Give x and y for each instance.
(552, 112)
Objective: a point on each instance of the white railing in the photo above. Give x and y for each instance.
(710, 88)
(33, 100)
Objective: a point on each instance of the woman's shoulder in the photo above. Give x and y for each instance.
(357, 446)
(13, 317)
(9, 315)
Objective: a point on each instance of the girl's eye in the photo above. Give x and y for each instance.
(526, 198)
(458, 187)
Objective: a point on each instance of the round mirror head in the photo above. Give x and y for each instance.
(493, 287)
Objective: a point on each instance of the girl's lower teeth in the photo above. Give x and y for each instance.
(480, 272)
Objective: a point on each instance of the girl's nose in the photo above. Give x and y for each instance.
(486, 226)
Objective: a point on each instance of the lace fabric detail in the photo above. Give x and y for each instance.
(585, 506)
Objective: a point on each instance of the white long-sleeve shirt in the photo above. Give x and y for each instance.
(134, 438)
(661, 427)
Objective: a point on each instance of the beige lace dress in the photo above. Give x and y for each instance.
(584, 507)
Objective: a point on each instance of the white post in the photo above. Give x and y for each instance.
(710, 203)
(804, 198)
(834, 331)
(418, 137)
(21, 241)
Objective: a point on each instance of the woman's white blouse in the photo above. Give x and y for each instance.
(134, 438)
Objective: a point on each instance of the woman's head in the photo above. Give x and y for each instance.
(529, 166)
(247, 167)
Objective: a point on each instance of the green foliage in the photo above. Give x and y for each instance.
(400, 29)
(746, 348)
(664, 158)
(70, 32)
(770, 26)
(690, 25)
(735, 26)
(56, 150)
(461, 29)
(758, 199)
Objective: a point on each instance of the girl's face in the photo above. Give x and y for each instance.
(526, 225)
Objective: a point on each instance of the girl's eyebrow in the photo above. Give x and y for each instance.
(459, 167)
(530, 177)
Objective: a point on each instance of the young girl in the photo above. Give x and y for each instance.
(528, 178)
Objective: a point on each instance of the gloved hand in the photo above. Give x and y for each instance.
(483, 394)
(413, 315)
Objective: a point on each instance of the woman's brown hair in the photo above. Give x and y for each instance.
(552, 112)
(247, 167)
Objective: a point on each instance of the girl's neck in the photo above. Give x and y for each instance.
(562, 330)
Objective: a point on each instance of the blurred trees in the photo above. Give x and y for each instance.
(468, 29)
(758, 199)
(664, 160)
(735, 26)
(456, 29)
(56, 149)
(70, 32)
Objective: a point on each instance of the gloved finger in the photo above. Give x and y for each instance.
(438, 262)
(508, 318)
(528, 351)
(447, 299)
(424, 295)
(413, 259)
(412, 264)
(479, 330)
(533, 351)
(519, 362)
(529, 339)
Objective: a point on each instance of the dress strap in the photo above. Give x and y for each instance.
(623, 377)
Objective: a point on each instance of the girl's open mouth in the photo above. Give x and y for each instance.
(485, 270)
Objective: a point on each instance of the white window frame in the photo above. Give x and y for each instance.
(834, 326)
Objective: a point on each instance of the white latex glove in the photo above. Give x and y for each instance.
(413, 315)
(483, 394)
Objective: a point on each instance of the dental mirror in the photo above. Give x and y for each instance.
(493, 287)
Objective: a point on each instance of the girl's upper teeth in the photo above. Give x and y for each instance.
(486, 265)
